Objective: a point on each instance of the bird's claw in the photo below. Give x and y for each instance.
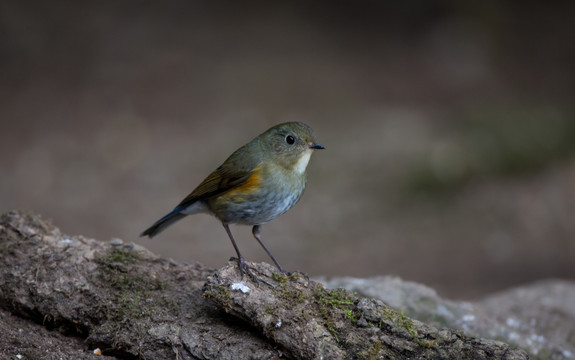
(245, 269)
(291, 273)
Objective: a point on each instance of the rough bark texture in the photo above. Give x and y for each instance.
(309, 321)
(537, 317)
(132, 304)
(118, 297)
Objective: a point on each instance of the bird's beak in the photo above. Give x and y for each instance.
(316, 146)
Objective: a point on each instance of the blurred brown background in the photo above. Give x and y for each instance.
(449, 128)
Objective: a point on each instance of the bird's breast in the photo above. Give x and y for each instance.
(260, 199)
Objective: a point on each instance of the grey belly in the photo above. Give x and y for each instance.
(261, 211)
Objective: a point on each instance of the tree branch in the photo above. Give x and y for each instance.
(133, 304)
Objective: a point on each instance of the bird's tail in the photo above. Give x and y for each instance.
(163, 223)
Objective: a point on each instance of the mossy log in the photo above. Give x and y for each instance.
(133, 304)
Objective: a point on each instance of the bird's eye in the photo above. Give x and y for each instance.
(290, 140)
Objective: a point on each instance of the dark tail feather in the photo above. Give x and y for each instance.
(163, 223)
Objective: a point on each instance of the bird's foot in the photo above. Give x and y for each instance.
(291, 273)
(246, 269)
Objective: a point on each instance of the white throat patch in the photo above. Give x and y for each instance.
(302, 162)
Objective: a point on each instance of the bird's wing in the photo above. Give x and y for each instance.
(234, 172)
(215, 184)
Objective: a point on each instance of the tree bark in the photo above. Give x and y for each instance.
(133, 304)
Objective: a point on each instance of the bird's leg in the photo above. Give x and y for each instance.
(256, 231)
(257, 235)
(241, 262)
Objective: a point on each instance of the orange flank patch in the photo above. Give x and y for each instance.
(250, 185)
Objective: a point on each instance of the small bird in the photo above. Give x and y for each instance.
(257, 183)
